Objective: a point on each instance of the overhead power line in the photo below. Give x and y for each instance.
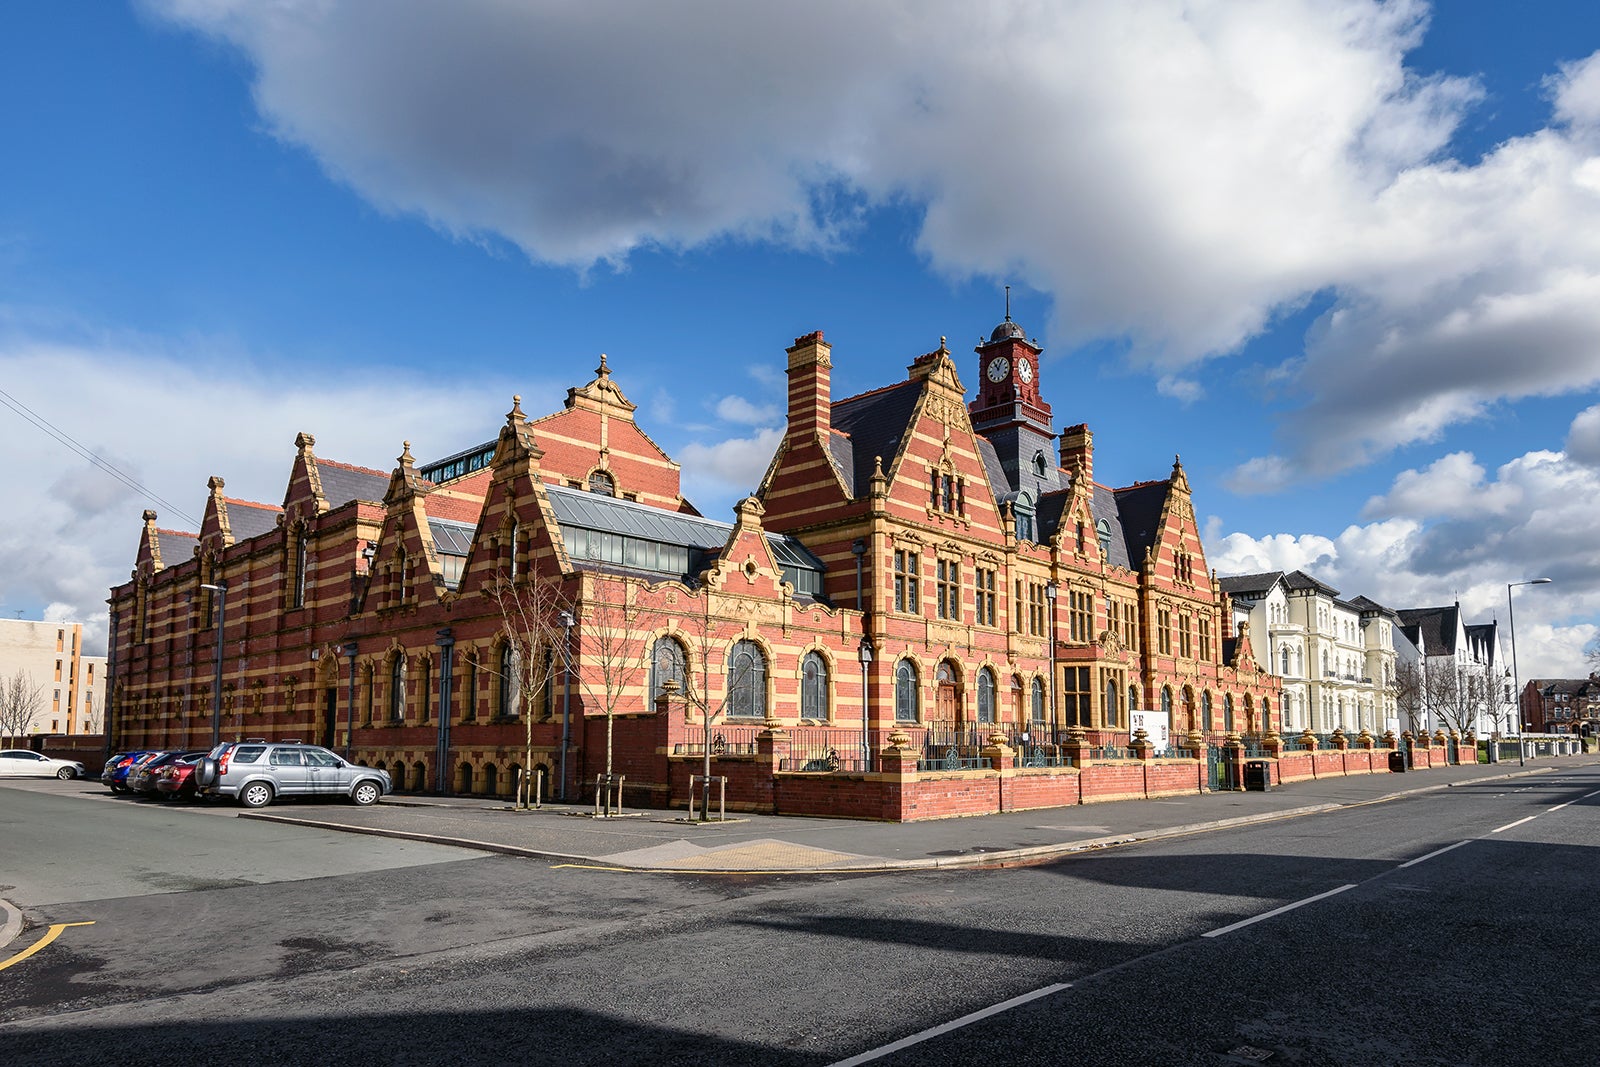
(114, 471)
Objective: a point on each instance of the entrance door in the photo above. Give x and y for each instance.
(946, 703)
(330, 716)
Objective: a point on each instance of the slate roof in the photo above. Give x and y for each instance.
(1301, 580)
(1481, 638)
(248, 519)
(1367, 605)
(1250, 586)
(1103, 505)
(1139, 507)
(176, 546)
(872, 424)
(1436, 627)
(344, 482)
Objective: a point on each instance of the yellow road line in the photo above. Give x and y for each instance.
(53, 933)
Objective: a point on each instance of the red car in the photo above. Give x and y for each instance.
(176, 779)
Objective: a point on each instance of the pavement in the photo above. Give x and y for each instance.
(665, 842)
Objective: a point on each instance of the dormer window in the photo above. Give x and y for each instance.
(602, 483)
(1041, 466)
(1023, 509)
(1102, 531)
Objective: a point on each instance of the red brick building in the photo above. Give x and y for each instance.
(912, 562)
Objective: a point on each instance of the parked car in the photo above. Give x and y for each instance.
(24, 763)
(142, 776)
(115, 773)
(176, 780)
(255, 773)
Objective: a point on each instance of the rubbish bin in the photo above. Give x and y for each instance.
(1397, 761)
(1257, 776)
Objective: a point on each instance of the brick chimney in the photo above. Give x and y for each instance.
(1077, 447)
(810, 396)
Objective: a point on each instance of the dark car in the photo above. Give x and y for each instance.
(175, 781)
(115, 772)
(143, 775)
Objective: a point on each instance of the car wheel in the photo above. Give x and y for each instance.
(116, 788)
(256, 795)
(366, 792)
(66, 774)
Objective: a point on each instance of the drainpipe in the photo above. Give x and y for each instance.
(349, 649)
(446, 642)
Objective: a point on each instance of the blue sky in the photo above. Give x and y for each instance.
(1336, 254)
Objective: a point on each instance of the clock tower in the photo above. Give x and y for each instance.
(1010, 412)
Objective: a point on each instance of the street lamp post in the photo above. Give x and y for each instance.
(349, 649)
(221, 589)
(1516, 682)
(866, 737)
(567, 621)
(1050, 605)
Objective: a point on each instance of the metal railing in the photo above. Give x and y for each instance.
(729, 741)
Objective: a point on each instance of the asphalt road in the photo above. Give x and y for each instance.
(364, 950)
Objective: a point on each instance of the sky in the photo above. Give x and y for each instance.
(1341, 256)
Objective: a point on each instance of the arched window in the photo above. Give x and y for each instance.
(905, 692)
(1205, 711)
(424, 687)
(986, 695)
(1166, 701)
(1102, 530)
(1023, 509)
(1266, 715)
(510, 686)
(1227, 713)
(747, 681)
(299, 569)
(1285, 671)
(1111, 702)
(469, 708)
(1133, 698)
(813, 686)
(397, 689)
(602, 483)
(1038, 701)
(666, 662)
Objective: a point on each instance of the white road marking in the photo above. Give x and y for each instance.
(1509, 825)
(1242, 923)
(954, 1024)
(1435, 852)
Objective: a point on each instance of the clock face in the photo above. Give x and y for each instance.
(1025, 370)
(999, 367)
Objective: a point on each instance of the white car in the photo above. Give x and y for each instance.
(22, 763)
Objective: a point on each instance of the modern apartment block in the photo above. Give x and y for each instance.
(66, 684)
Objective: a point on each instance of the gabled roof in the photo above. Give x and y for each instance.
(247, 519)
(1436, 626)
(1139, 507)
(176, 546)
(871, 425)
(1103, 506)
(1301, 581)
(344, 482)
(1367, 605)
(1250, 586)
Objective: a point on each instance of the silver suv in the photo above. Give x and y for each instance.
(255, 772)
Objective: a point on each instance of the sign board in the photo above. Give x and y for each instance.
(1157, 726)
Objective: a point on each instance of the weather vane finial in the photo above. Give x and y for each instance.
(1008, 303)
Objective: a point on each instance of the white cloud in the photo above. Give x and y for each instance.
(1174, 173)
(1184, 390)
(715, 475)
(738, 409)
(170, 420)
(1452, 487)
(1583, 439)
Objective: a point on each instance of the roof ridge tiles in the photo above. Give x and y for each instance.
(176, 533)
(350, 467)
(251, 504)
(880, 389)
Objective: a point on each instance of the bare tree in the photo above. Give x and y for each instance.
(20, 701)
(1409, 687)
(530, 609)
(696, 691)
(614, 629)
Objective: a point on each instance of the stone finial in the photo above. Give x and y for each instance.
(405, 459)
(603, 370)
(515, 415)
(149, 516)
(996, 738)
(899, 740)
(304, 441)
(215, 484)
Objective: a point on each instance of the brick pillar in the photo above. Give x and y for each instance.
(1341, 740)
(1308, 740)
(1142, 746)
(1077, 746)
(772, 748)
(1272, 744)
(898, 758)
(1365, 739)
